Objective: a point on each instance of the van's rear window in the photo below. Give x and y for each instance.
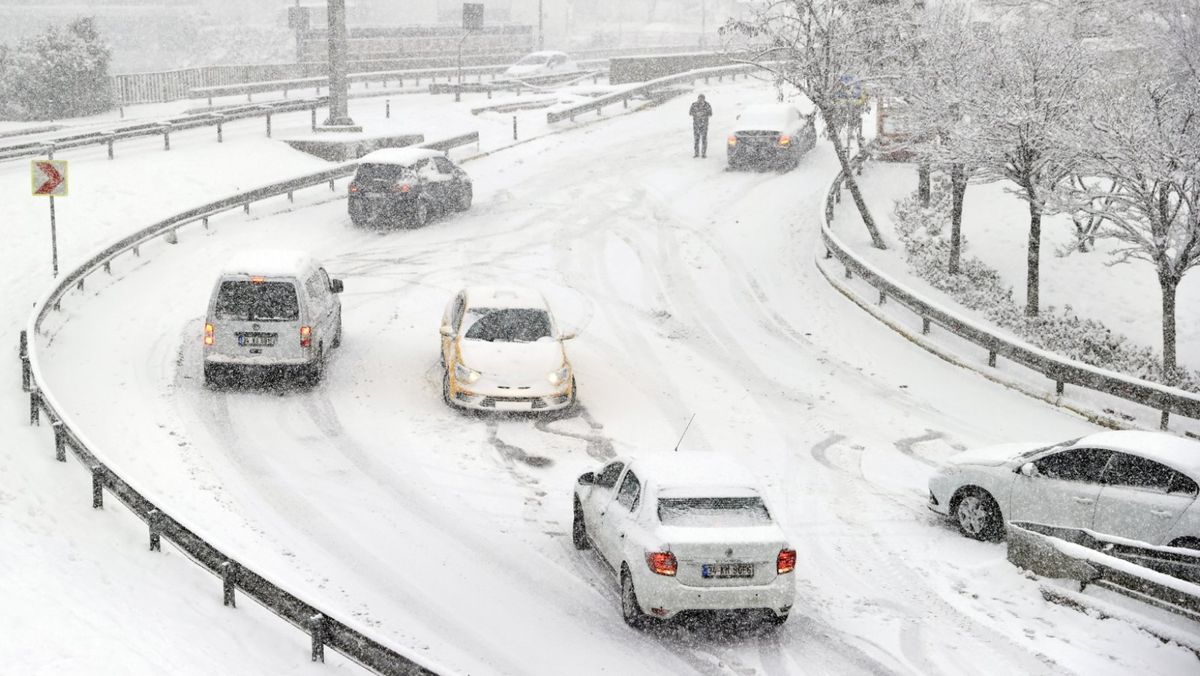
(261, 301)
(712, 512)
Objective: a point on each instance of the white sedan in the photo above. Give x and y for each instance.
(503, 351)
(1136, 485)
(541, 64)
(685, 531)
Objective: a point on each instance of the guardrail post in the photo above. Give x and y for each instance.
(882, 297)
(268, 125)
(925, 326)
(291, 198)
(705, 79)
(108, 267)
(137, 251)
(229, 580)
(220, 132)
(23, 353)
(316, 625)
(97, 486)
(848, 273)
(34, 406)
(457, 95)
(331, 186)
(1058, 387)
(1162, 421)
(387, 108)
(110, 147)
(991, 358)
(249, 96)
(155, 520)
(166, 138)
(285, 91)
(204, 222)
(314, 118)
(489, 93)
(514, 127)
(60, 441)
(625, 102)
(246, 208)
(171, 237)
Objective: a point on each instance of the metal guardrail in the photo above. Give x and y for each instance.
(1062, 371)
(600, 102)
(162, 128)
(349, 638)
(1165, 577)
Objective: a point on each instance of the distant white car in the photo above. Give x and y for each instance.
(1136, 485)
(539, 64)
(685, 532)
(503, 351)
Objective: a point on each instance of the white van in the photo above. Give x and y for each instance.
(272, 309)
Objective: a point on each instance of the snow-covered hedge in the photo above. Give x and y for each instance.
(924, 232)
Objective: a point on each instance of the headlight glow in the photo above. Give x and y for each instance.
(465, 374)
(560, 376)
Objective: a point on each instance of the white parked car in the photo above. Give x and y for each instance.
(1136, 485)
(540, 64)
(272, 310)
(685, 532)
(503, 351)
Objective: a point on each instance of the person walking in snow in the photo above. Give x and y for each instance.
(700, 112)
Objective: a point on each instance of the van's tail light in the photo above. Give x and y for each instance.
(785, 140)
(305, 336)
(786, 561)
(732, 140)
(401, 187)
(354, 188)
(662, 563)
(208, 334)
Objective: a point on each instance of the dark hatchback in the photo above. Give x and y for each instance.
(408, 186)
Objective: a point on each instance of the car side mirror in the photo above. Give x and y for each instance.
(1028, 469)
(446, 331)
(336, 286)
(587, 478)
(566, 335)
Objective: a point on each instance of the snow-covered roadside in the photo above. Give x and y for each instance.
(1125, 298)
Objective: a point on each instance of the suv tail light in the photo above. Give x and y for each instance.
(662, 563)
(208, 334)
(786, 561)
(305, 336)
(401, 187)
(785, 140)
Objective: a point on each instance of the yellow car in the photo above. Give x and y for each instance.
(502, 351)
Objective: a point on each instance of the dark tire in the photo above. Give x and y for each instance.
(631, 610)
(773, 620)
(579, 529)
(465, 196)
(316, 370)
(337, 337)
(977, 515)
(446, 389)
(1186, 543)
(420, 214)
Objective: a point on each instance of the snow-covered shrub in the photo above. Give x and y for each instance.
(980, 288)
(62, 72)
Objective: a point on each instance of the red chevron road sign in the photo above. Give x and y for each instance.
(49, 177)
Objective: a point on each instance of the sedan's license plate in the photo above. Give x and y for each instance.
(720, 570)
(256, 339)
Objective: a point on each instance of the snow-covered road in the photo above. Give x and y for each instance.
(694, 291)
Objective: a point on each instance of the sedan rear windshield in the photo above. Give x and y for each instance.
(509, 325)
(258, 301)
(712, 512)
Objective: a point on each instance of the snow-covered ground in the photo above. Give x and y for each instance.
(694, 292)
(1125, 297)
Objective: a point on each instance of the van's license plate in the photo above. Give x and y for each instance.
(719, 570)
(256, 339)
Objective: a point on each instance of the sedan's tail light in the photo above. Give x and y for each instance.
(305, 336)
(785, 140)
(401, 187)
(732, 140)
(354, 188)
(786, 561)
(662, 563)
(208, 334)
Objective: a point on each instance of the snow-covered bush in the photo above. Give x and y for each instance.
(980, 288)
(62, 72)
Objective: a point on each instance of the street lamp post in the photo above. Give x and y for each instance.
(541, 38)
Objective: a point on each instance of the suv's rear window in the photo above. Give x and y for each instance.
(712, 512)
(368, 173)
(258, 301)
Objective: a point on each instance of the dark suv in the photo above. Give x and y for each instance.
(407, 185)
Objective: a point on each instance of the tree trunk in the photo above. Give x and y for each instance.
(958, 191)
(855, 193)
(923, 183)
(1033, 260)
(1168, 285)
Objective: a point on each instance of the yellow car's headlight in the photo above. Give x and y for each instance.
(560, 376)
(465, 374)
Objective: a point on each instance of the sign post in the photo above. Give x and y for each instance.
(48, 178)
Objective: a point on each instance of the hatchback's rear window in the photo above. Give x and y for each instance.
(712, 512)
(258, 301)
(368, 173)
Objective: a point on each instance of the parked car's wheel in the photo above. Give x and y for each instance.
(977, 515)
(579, 529)
(465, 195)
(446, 388)
(420, 213)
(773, 620)
(630, 609)
(337, 337)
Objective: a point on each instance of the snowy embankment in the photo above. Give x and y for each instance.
(693, 291)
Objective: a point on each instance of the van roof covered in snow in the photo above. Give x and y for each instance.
(270, 263)
(402, 156)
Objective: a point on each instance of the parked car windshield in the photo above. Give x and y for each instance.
(509, 325)
(712, 512)
(254, 301)
(1051, 447)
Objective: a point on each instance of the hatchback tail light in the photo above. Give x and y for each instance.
(401, 187)
(785, 140)
(732, 140)
(305, 336)
(786, 561)
(208, 334)
(662, 563)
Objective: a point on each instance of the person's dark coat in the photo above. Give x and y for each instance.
(700, 112)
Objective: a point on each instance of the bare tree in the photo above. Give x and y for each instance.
(818, 46)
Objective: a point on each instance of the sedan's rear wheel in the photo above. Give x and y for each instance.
(446, 388)
(978, 515)
(465, 195)
(578, 529)
(630, 609)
